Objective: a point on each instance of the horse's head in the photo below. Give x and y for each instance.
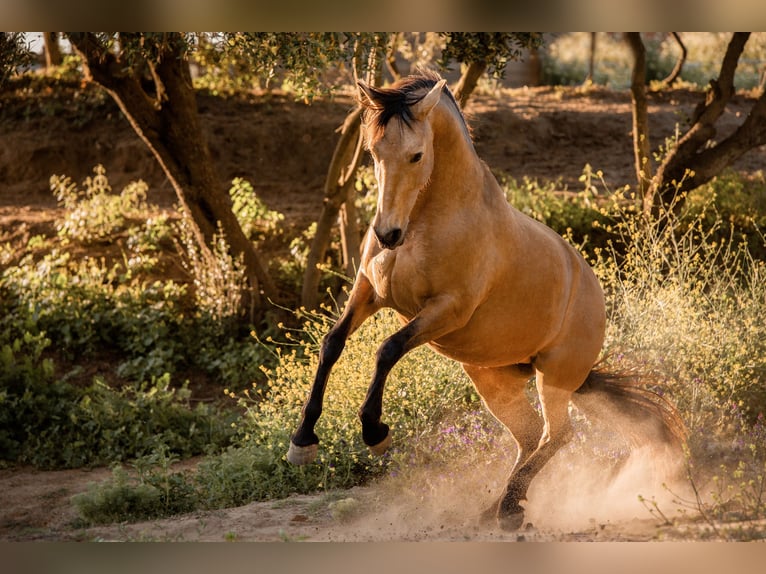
(398, 134)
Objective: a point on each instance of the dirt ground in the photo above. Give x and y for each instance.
(283, 148)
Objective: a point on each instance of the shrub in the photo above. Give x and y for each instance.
(53, 424)
(256, 219)
(93, 212)
(690, 308)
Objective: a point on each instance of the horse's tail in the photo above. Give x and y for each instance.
(633, 397)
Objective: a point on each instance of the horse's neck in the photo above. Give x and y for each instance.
(458, 172)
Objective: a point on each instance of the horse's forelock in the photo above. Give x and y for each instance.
(396, 101)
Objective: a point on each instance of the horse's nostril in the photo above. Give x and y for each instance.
(390, 239)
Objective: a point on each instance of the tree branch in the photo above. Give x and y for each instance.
(674, 173)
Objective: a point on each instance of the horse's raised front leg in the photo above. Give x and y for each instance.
(440, 316)
(361, 304)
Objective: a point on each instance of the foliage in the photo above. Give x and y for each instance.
(93, 212)
(242, 60)
(217, 277)
(88, 306)
(421, 391)
(675, 291)
(494, 48)
(14, 53)
(50, 423)
(256, 219)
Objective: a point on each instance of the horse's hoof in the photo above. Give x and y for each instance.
(511, 521)
(300, 455)
(382, 446)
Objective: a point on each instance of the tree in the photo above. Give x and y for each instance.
(52, 51)
(14, 53)
(484, 52)
(642, 159)
(695, 159)
(675, 73)
(148, 75)
(163, 112)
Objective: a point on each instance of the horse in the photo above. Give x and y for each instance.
(473, 278)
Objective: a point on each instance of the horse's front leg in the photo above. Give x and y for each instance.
(361, 304)
(438, 318)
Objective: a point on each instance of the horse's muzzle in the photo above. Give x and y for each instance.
(390, 239)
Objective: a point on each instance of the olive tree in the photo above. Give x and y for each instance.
(148, 75)
(696, 158)
(484, 52)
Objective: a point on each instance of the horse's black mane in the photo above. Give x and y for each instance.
(397, 100)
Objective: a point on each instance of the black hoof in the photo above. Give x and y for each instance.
(511, 522)
(507, 515)
(376, 436)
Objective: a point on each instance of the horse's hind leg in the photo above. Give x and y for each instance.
(557, 430)
(503, 392)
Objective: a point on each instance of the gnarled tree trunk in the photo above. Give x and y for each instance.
(338, 185)
(168, 123)
(694, 161)
(468, 80)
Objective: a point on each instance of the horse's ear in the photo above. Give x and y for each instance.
(424, 106)
(366, 97)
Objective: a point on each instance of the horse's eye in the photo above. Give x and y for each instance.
(416, 158)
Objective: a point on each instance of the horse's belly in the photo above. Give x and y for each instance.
(488, 345)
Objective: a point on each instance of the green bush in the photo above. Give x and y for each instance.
(118, 500)
(50, 423)
(94, 213)
(256, 219)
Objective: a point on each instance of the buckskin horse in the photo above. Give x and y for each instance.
(472, 277)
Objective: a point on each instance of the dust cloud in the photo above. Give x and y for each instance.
(593, 483)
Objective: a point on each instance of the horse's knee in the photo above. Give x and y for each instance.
(333, 344)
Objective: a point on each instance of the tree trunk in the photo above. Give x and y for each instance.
(336, 190)
(391, 64)
(693, 162)
(169, 125)
(467, 83)
(641, 150)
(52, 50)
(350, 237)
(591, 59)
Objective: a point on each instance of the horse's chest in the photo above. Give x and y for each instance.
(398, 281)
